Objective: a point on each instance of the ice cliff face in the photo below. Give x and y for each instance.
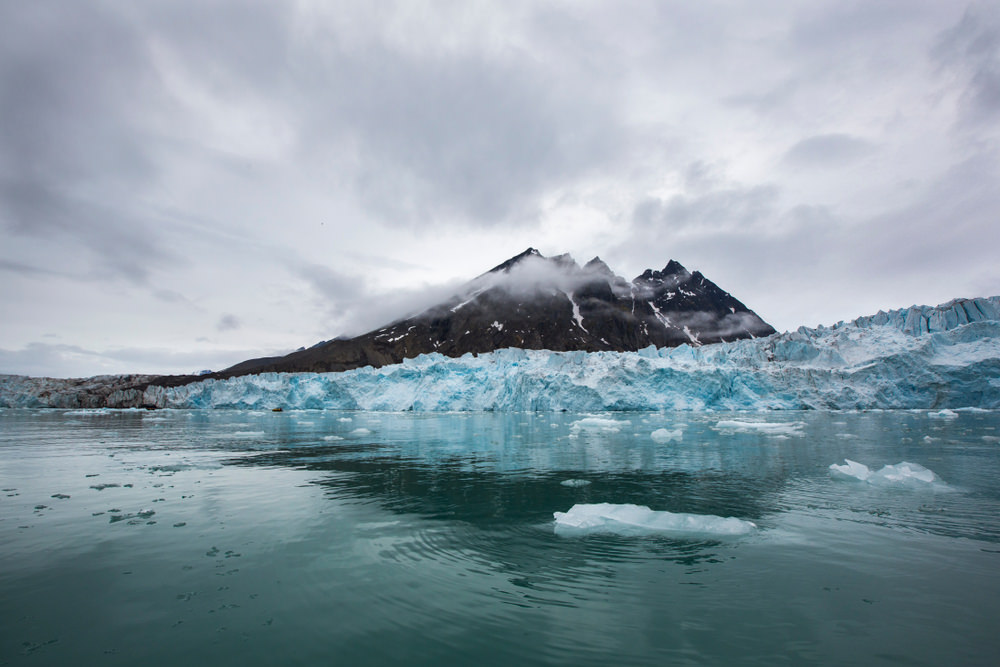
(920, 357)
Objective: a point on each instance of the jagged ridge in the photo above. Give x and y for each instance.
(538, 303)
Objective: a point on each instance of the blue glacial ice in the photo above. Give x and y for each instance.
(925, 358)
(625, 519)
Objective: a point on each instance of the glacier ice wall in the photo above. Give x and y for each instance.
(920, 357)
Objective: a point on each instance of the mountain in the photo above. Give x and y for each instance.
(536, 302)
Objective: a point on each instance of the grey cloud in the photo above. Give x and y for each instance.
(928, 249)
(472, 134)
(972, 49)
(333, 287)
(122, 244)
(768, 100)
(169, 296)
(716, 210)
(827, 150)
(700, 176)
(71, 147)
(228, 322)
(951, 223)
(834, 29)
(27, 269)
(59, 360)
(470, 137)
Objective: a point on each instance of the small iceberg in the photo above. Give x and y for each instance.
(663, 435)
(625, 519)
(575, 483)
(901, 474)
(768, 428)
(943, 414)
(598, 424)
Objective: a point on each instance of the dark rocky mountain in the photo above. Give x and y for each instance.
(534, 302)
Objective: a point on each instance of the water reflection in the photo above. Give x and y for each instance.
(496, 469)
(426, 538)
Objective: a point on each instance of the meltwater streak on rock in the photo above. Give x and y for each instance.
(626, 519)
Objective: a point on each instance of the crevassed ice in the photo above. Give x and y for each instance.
(626, 519)
(924, 358)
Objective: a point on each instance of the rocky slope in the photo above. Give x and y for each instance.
(538, 303)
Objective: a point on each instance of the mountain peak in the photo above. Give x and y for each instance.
(673, 267)
(516, 259)
(597, 265)
(535, 302)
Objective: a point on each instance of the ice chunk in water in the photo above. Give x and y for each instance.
(903, 473)
(575, 482)
(640, 520)
(770, 428)
(851, 470)
(943, 414)
(598, 424)
(663, 435)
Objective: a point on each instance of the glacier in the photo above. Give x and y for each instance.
(933, 358)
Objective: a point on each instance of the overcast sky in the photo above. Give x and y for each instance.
(184, 185)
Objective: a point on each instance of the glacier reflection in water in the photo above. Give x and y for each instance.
(305, 538)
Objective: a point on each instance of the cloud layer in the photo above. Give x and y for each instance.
(211, 176)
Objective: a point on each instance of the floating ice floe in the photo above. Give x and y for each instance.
(943, 414)
(575, 482)
(903, 473)
(361, 431)
(330, 438)
(626, 519)
(598, 424)
(769, 428)
(663, 435)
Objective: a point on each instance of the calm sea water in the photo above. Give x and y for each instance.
(305, 538)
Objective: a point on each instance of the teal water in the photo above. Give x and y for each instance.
(258, 538)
